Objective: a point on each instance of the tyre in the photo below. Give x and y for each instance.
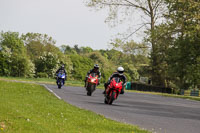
(93, 87)
(112, 98)
(59, 84)
(105, 101)
(89, 93)
(87, 87)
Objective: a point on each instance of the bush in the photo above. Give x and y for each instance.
(42, 75)
(145, 87)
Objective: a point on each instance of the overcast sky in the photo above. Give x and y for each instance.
(67, 21)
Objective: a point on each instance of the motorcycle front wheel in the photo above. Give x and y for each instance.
(112, 98)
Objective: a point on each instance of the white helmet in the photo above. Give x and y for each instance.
(120, 70)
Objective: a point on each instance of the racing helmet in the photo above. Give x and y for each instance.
(63, 66)
(96, 66)
(120, 70)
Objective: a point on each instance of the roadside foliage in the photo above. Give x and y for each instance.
(168, 55)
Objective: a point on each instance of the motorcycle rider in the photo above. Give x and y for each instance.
(119, 73)
(61, 70)
(94, 70)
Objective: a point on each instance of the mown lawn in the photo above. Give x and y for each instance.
(30, 108)
(101, 86)
(48, 81)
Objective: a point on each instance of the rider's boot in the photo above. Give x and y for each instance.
(122, 91)
(105, 86)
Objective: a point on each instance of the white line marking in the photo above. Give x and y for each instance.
(51, 91)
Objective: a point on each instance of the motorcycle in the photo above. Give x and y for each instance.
(91, 83)
(113, 90)
(60, 80)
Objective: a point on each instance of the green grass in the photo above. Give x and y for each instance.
(30, 108)
(47, 81)
(81, 84)
(35, 80)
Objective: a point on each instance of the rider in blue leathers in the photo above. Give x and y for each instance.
(61, 70)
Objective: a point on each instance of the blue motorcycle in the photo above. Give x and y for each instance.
(60, 80)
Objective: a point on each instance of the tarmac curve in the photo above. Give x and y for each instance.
(155, 113)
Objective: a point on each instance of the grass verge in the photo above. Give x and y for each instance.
(29, 108)
(81, 84)
(47, 81)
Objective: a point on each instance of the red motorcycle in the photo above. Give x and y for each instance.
(91, 83)
(113, 90)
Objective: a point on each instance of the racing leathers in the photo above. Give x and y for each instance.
(61, 70)
(122, 78)
(93, 71)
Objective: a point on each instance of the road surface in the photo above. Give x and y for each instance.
(152, 112)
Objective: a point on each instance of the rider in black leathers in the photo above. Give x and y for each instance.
(94, 70)
(119, 73)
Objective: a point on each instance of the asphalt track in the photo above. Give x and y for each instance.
(152, 112)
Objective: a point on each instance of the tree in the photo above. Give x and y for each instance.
(153, 11)
(5, 60)
(46, 56)
(37, 37)
(132, 51)
(106, 66)
(136, 55)
(81, 65)
(48, 63)
(183, 58)
(98, 59)
(66, 49)
(163, 39)
(77, 49)
(131, 72)
(37, 43)
(14, 59)
(85, 50)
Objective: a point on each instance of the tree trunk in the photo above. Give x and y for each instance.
(155, 75)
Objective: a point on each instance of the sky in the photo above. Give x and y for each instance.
(69, 22)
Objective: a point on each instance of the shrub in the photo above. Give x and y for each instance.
(42, 75)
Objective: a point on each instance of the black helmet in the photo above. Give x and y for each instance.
(120, 70)
(96, 66)
(63, 66)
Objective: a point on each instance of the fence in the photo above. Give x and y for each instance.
(151, 88)
(194, 93)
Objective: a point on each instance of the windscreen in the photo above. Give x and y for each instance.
(117, 79)
(93, 74)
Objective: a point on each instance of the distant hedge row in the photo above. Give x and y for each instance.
(151, 88)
